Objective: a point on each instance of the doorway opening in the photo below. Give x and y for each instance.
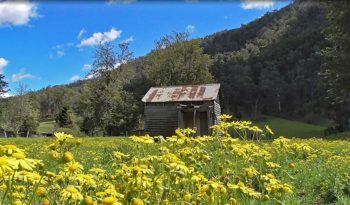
(197, 120)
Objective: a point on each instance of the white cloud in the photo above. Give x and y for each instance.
(3, 64)
(257, 4)
(75, 78)
(69, 44)
(22, 75)
(58, 51)
(102, 38)
(86, 67)
(96, 74)
(60, 54)
(6, 95)
(121, 1)
(118, 64)
(17, 13)
(81, 33)
(129, 40)
(91, 76)
(190, 28)
(57, 54)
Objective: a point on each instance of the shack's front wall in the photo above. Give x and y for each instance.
(161, 119)
(164, 118)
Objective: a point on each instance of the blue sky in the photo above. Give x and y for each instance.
(45, 44)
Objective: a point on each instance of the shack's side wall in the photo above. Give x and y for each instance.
(161, 119)
(217, 112)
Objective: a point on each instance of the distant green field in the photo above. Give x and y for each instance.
(281, 127)
(290, 128)
(46, 127)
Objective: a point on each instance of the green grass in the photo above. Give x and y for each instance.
(288, 128)
(281, 127)
(46, 127)
(340, 135)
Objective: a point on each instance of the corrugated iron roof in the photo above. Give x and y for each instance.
(182, 93)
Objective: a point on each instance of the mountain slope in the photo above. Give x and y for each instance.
(271, 65)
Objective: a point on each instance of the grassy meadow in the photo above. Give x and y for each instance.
(46, 126)
(179, 170)
(290, 128)
(281, 127)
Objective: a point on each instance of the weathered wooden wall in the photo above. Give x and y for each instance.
(165, 118)
(217, 112)
(161, 119)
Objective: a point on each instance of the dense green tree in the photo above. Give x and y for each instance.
(64, 118)
(272, 86)
(236, 83)
(51, 100)
(336, 69)
(180, 63)
(337, 64)
(18, 115)
(105, 61)
(31, 120)
(105, 107)
(5, 123)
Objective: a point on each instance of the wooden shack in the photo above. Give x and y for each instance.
(184, 106)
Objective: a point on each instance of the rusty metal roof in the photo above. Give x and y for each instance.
(182, 93)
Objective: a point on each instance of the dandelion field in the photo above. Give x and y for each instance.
(181, 169)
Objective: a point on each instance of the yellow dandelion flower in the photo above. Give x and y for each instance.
(110, 201)
(7, 165)
(251, 172)
(225, 117)
(74, 167)
(68, 157)
(61, 136)
(45, 202)
(10, 149)
(136, 201)
(54, 154)
(233, 201)
(89, 200)
(41, 191)
(120, 155)
(187, 197)
(273, 165)
(23, 162)
(71, 193)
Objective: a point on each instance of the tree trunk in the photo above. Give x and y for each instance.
(256, 107)
(27, 133)
(279, 103)
(5, 133)
(227, 104)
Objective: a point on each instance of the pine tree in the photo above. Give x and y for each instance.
(63, 119)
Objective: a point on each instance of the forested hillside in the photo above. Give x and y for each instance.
(273, 66)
